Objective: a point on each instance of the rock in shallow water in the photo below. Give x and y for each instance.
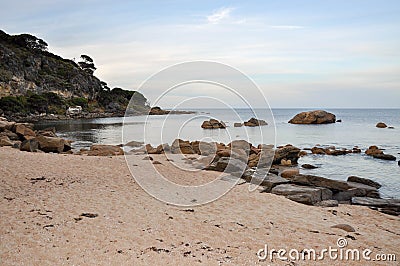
(313, 117)
(382, 156)
(365, 181)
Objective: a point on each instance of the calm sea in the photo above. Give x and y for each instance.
(356, 129)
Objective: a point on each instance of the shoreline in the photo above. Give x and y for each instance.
(42, 219)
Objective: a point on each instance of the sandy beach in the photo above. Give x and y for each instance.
(59, 209)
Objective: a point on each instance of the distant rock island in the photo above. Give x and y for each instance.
(36, 84)
(313, 117)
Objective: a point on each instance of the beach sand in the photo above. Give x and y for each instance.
(43, 197)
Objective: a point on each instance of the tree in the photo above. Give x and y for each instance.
(30, 42)
(87, 64)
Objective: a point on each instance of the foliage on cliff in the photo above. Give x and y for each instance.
(33, 80)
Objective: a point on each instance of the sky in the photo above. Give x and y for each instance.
(300, 53)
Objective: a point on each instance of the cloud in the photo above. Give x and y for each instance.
(219, 15)
(286, 27)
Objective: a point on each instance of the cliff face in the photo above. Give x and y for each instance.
(34, 81)
(24, 69)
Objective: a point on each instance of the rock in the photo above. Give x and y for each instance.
(388, 206)
(237, 124)
(302, 194)
(104, 150)
(156, 162)
(5, 141)
(158, 111)
(47, 132)
(339, 121)
(319, 181)
(181, 147)
(373, 150)
(365, 181)
(287, 152)
(308, 166)
(265, 179)
(317, 150)
(381, 125)
(148, 158)
(382, 156)
(241, 145)
(398, 163)
(313, 117)
(212, 124)
(289, 173)
(345, 227)
(253, 122)
(227, 165)
(151, 150)
(204, 148)
(50, 144)
(5, 125)
(328, 203)
(24, 132)
(134, 144)
(347, 195)
(390, 127)
(31, 145)
(286, 162)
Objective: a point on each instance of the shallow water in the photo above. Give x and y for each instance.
(357, 128)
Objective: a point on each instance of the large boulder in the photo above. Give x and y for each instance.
(313, 117)
(287, 152)
(24, 132)
(5, 125)
(302, 194)
(213, 123)
(388, 206)
(104, 150)
(50, 144)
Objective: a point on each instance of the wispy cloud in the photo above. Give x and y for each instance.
(219, 15)
(286, 27)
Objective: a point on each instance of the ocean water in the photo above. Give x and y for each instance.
(356, 129)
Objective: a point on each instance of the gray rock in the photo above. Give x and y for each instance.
(265, 179)
(227, 165)
(365, 181)
(319, 181)
(31, 145)
(302, 194)
(313, 117)
(347, 195)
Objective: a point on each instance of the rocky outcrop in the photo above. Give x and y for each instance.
(381, 125)
(313, 117)
(26, 139)
(158, 111)
(213, 124)
(377, 153)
